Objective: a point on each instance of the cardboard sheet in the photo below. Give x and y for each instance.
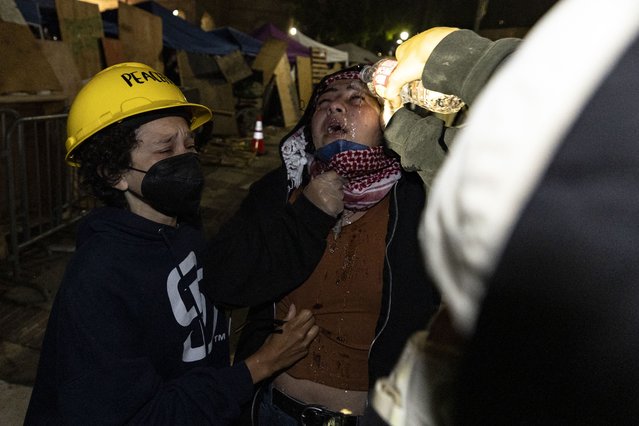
(113, 51)
(9, 12)
(140, 35)
(23, 66)
(218, 97)
(304, 80)
(61, 60)
(287, 92)
(268, 58)
(81, 29)
(234, 67)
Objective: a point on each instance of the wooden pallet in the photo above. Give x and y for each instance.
(319, 67)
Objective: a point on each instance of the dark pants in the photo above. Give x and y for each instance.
(269, 414)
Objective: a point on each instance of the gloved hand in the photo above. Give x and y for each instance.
(326, 192)
(411, 57)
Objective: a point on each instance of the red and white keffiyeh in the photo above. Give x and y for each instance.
(371, 174)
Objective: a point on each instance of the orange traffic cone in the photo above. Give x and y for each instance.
(258, 137)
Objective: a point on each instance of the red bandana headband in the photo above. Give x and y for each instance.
(343, 75)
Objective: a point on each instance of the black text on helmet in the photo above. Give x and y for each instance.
(141, 77)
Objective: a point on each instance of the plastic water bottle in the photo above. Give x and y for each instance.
(413, 92)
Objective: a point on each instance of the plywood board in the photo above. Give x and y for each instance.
(268, 57)
(81, 29)
(218, 97)
(61, 60)
(319, 65)
(304, 80)
(140, 33)
(9, 12)
(105, 4)
(203, 65)
(199, 65)
(23, 67)
(287, 92)
(113, 51)
(233, 67)
(184, 67)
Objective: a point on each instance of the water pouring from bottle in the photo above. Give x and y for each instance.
(376, 76)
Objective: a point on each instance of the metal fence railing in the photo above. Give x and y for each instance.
(42, 192)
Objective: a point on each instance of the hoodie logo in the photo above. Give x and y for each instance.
(190, 310)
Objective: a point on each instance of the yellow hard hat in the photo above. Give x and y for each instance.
(119, 92)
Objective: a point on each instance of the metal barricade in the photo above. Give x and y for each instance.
(42, 192)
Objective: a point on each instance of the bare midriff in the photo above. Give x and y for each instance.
(334, 399)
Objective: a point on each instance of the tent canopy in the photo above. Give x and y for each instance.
(248, 45)
(177, 33)
(30, 11)
(358, 55)
(182, 35)
(40, 12)
(332, 54)
(294, 48)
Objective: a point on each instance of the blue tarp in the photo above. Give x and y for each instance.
(50, 4)
(30, 11)
(248, 45)
(42, 13)
(110, 23)
(177, 33)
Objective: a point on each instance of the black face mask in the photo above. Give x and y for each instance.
(173, 186)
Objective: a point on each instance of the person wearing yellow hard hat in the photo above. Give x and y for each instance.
(131, 339)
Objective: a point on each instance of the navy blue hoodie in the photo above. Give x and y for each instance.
(131, 339)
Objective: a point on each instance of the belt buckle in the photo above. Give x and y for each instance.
(315, 415)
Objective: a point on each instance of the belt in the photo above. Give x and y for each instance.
(311, 415)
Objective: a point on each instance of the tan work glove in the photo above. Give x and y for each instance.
(411, 57)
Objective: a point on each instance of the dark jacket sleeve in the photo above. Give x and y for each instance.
(268, 247)
(421, 142)
(461, 64)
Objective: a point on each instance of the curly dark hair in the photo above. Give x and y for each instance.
(103, 158)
